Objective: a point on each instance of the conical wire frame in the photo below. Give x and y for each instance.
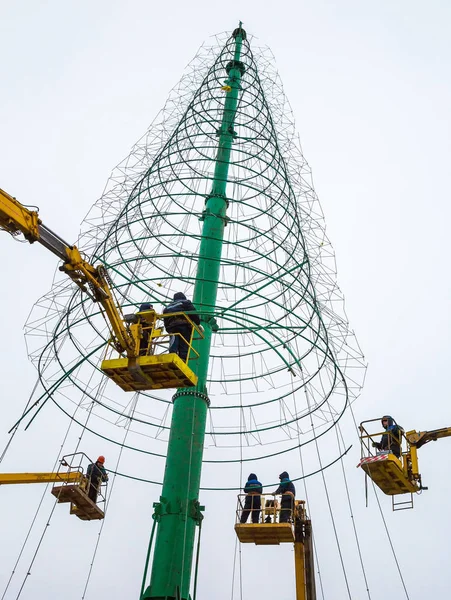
(284, 361)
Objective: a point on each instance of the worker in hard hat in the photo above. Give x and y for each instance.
(96, 474)
(287, 490)
(391, 440)
(179, 325)
(252, 503)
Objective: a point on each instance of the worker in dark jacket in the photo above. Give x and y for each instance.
(178, 324)
(391, 440)
(144, 341)
(96, 474)
(288, 492)
(252, 502)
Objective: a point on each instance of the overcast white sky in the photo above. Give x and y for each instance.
(370, 87)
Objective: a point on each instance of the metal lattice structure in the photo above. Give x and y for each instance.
(284, 363)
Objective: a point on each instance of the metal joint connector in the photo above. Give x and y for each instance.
(191, 393)
(207, 213)
(212, 322)
(239, 31)
(195, 511)
(236, 64)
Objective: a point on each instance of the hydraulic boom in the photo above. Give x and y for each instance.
(72, 486)
(419, 438)
(15, 218)
(19, 478)
(137, 336)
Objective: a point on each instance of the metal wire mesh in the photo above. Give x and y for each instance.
(284, 356)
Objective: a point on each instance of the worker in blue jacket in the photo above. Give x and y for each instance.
(178, 324)
(288, 492)
(252, 503)
(391, 440)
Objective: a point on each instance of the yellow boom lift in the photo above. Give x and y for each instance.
(396, 476)
(269, 531)
(71, 486)
(137, 339)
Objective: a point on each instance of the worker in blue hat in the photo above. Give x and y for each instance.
(391, 439)
(252, 502)
(288, 492)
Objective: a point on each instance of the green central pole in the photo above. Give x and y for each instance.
(178, 512)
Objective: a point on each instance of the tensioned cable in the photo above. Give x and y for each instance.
(47, 525)
(330, 506)
(338, 430)
(240, 555)
(39, 506)
(304, 481)
(383, 519)
(391, 544)
(84, 427)
(37, 510)
(313, 535)
(107, 503)
(15, 429)
(238, 549)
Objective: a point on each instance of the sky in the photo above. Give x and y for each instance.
(370, 89)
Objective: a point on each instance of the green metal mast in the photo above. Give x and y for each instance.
(178, 512)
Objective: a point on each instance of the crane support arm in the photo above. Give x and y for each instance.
(17, 218)
(303, 554)
(419, 438)
(15, 478)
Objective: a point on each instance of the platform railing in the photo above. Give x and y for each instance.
(147, 328)
(367, 439)
(264, 509)
(79, 462)
(159, 340)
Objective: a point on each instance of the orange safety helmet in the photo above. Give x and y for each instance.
(101, 460)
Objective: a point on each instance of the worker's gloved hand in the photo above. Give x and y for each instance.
(376, 445)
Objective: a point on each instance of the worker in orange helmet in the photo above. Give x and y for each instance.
(96, 474)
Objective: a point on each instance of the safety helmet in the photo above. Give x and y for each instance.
(101, 460)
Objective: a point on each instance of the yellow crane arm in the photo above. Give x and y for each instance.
(11, 478)
(419, 438)
(17, 218)
(303, 554)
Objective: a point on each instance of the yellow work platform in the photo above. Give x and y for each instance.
(153, 372)
(387, 473)
(264, 534)
(81, 505)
